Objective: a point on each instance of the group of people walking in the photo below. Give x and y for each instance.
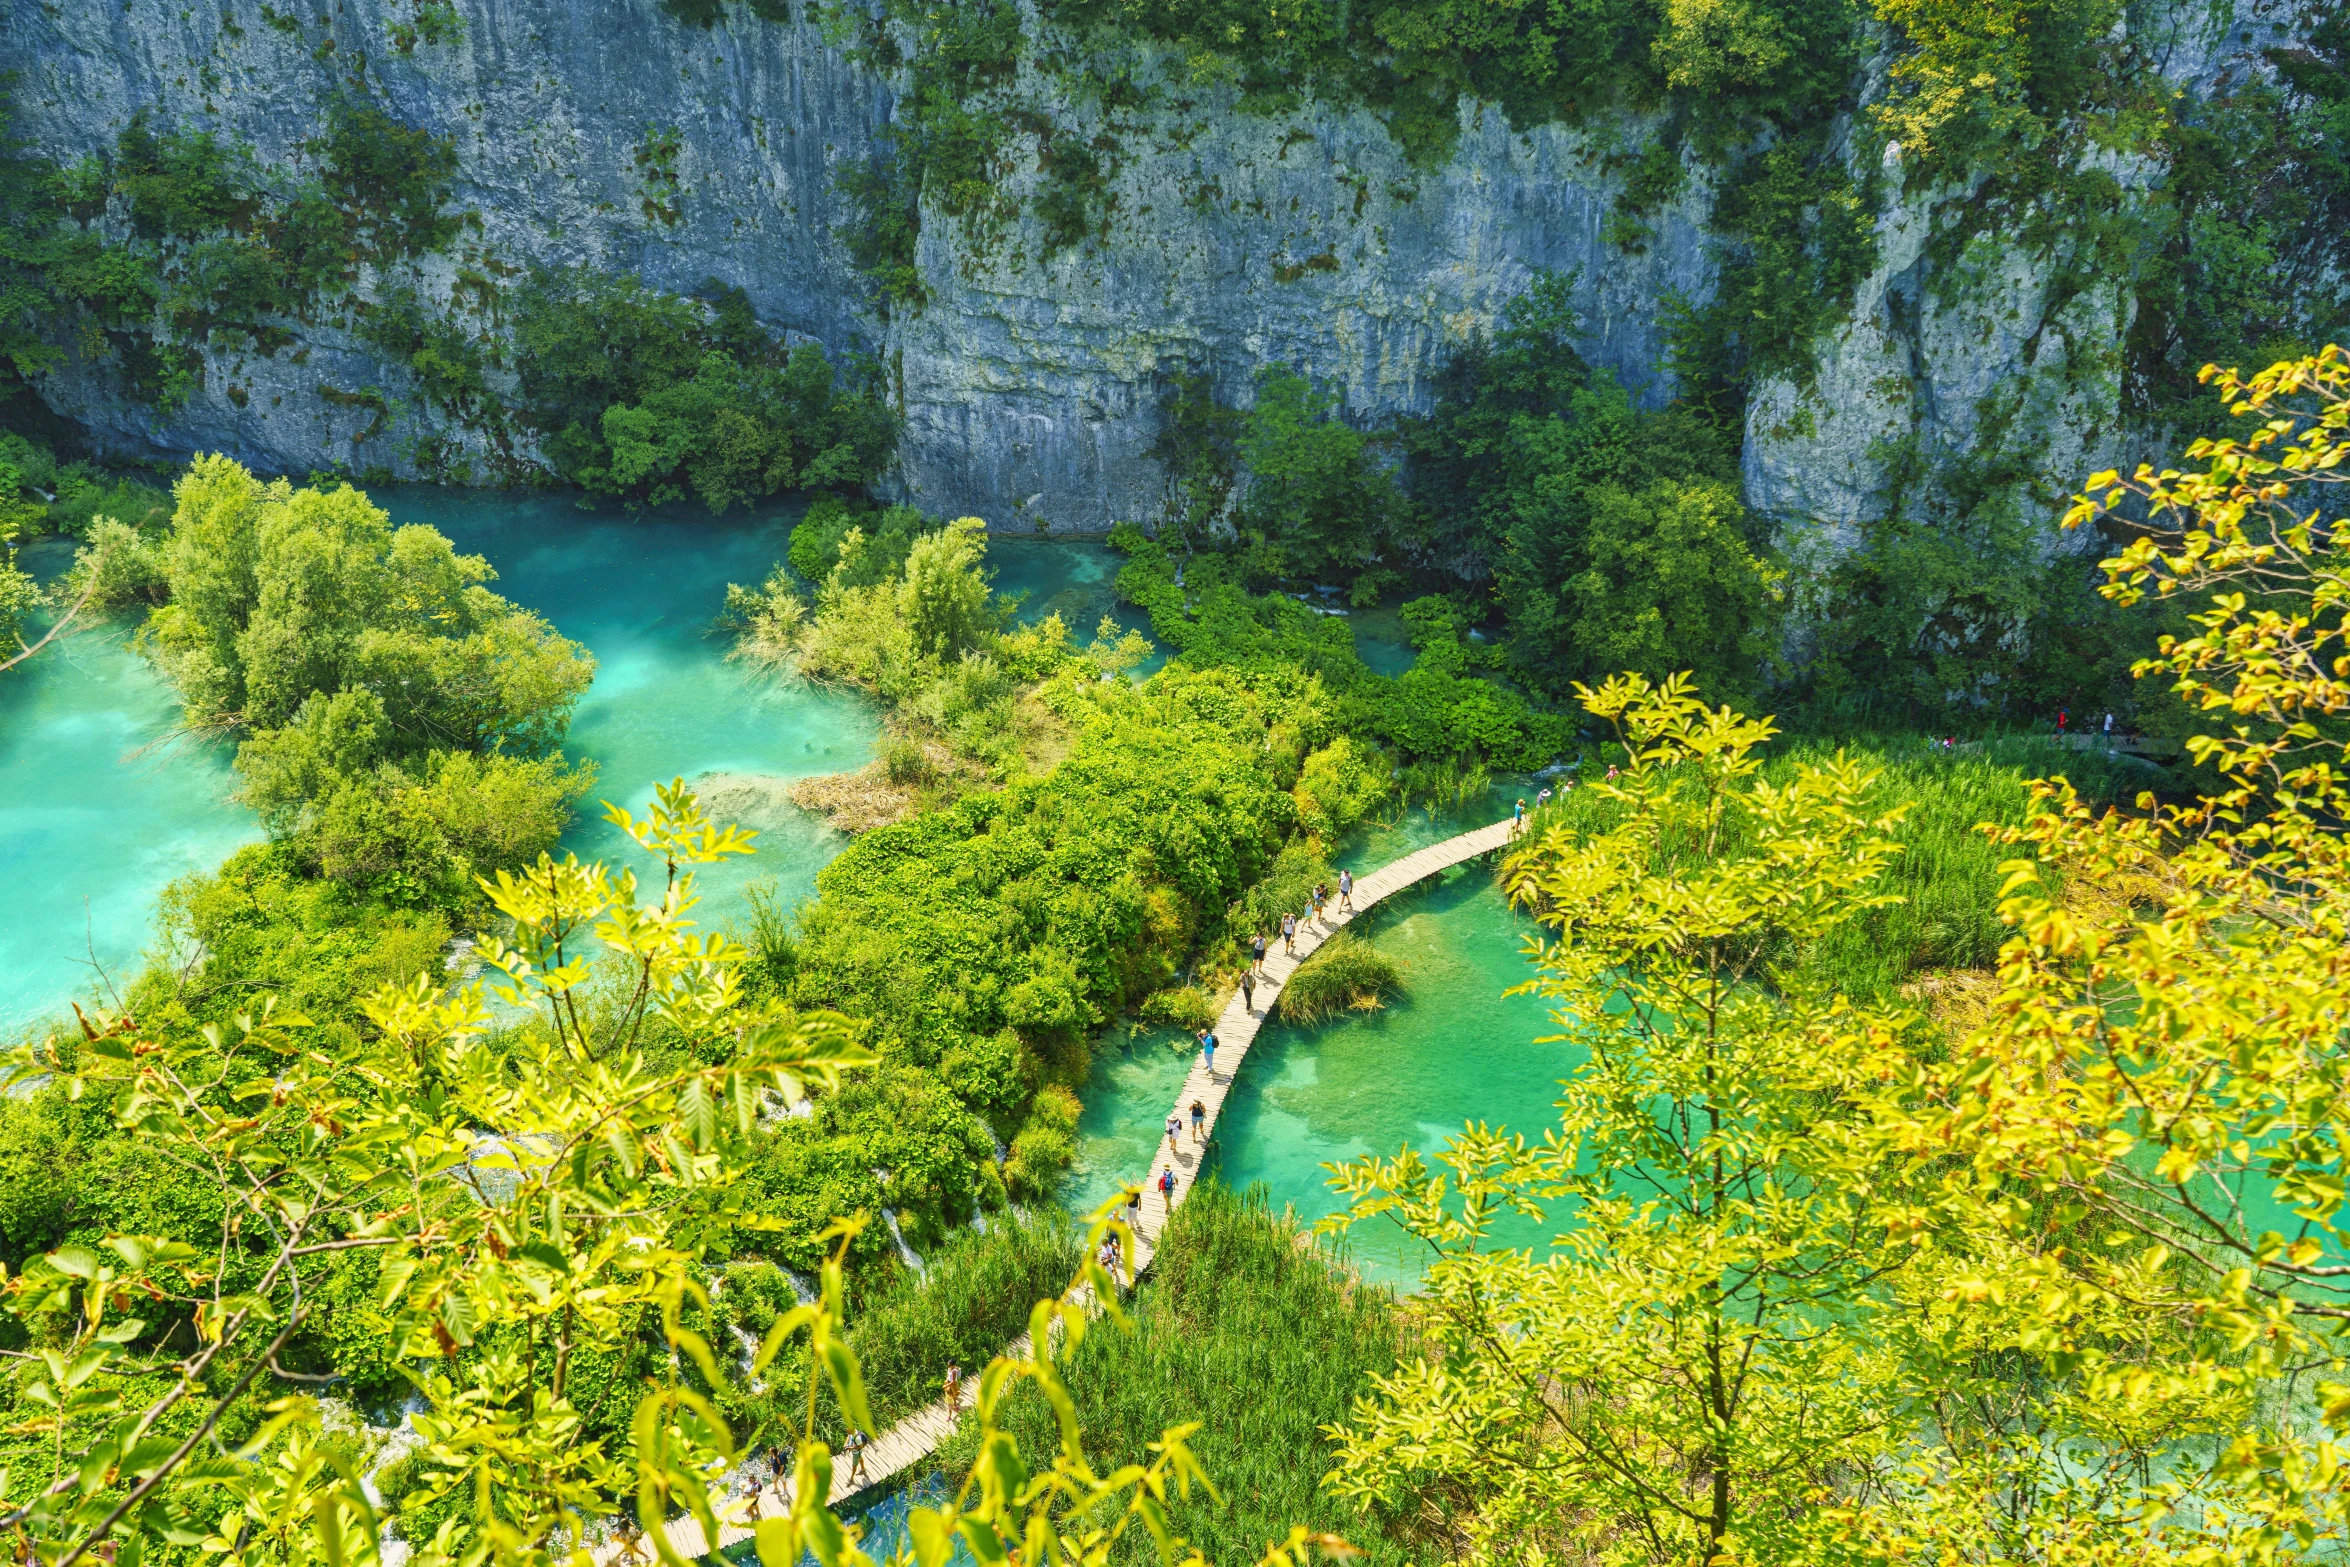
(1317, 902)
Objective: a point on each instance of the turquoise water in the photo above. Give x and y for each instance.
(640, 592)
(1450, 1051)
(96, 818)
(1070, 578)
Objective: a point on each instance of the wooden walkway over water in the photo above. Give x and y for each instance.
(919, 1435)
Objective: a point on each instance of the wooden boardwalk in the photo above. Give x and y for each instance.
(918, 1435)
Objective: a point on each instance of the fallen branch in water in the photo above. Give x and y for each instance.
(89, 586)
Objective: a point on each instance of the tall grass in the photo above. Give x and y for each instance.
(1258, 1336)
(971, 1300)
(1346, 973)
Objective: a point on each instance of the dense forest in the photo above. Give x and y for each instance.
(1951, 1167)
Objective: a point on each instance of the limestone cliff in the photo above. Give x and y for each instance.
(1031, 381)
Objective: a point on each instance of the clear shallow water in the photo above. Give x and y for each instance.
(1075, 579)
(1450, 1051)
(640, 593)
(93, 826)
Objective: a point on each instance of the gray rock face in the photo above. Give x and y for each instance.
(1031, 384)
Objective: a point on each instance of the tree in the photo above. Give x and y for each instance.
(2163, 1084)
(1315, 495)
(944, 597)
(528, 1194)
(522, 1191)
(1669, 583)
(1683, 1372)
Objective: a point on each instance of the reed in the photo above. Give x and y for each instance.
(1345, 974)
(971, 1299)
(1246, 1325)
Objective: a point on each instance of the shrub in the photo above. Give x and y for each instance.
(651, 396)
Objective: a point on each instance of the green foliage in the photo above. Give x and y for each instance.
(652, 396)
(1318, 506)
(1264, 1339)
(1954, 625)
(1719, 1200)
(1977, 77)
(262, 925)
(2240, 268)
(1797, 236)
(448, 362)
(1614, 536)
(400, 716)
(1047, 906)
(388, 182)
(1345, 973)
(20, 595)
(971, 1300)
(1198, 447)
(370, 1212)
(216, 241)
(1433, 710)
(1735, 62)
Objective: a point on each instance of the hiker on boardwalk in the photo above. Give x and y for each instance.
(1518, 817)
(1346, 891)
(1256, 947)
(1207, 1050)
(1134, 1209)
(1289, 934)
(1199, 1118)
(1543, 798)
(954, 1390)
(1167, 1187)
(1174, 1130)
(1248, 990)
(1321, 896)
(854, 1447)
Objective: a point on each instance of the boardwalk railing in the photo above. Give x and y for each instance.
(918, 1435)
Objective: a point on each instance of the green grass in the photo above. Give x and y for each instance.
(1346, 972)
(1258, 1337)
(971, 1300)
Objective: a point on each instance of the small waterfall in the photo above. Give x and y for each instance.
(905, 1252)
(394, 1551)
(748, 1342)
(801, 1288)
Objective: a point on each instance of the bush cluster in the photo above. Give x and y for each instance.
(211, 239)
(399, 719)
(652, 396)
